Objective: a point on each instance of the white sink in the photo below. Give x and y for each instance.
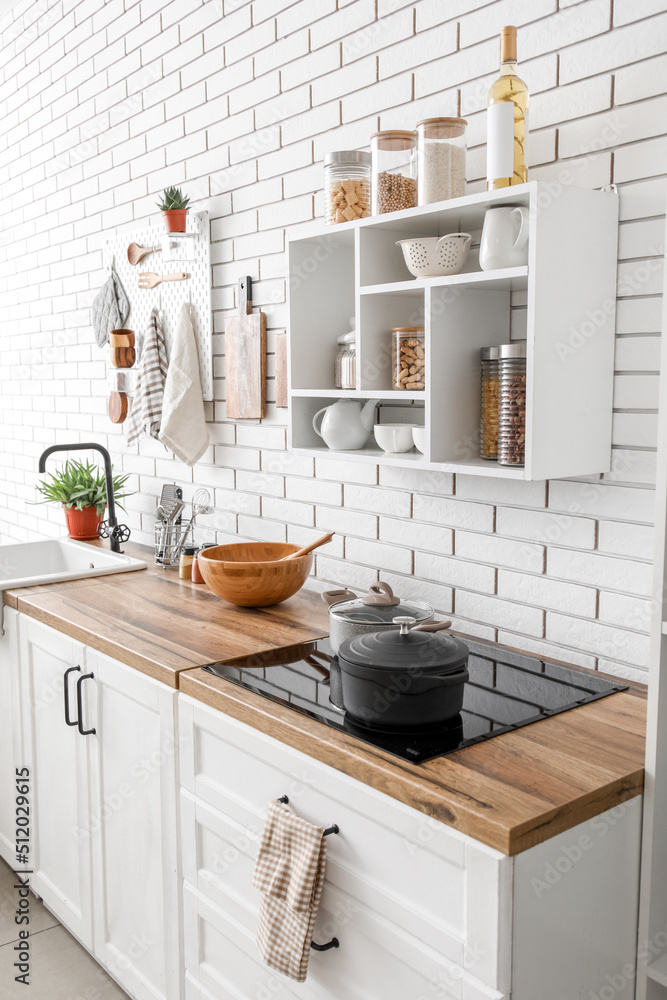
(28, 563)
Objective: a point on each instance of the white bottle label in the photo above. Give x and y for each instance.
(499, 140)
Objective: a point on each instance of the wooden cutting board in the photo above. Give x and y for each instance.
(245, 358)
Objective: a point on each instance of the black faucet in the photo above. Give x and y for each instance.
(111, 529)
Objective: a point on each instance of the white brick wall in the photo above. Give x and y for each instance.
(103, 104)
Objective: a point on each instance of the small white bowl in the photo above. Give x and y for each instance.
(433, 256)
(419, 439)
(394, 438)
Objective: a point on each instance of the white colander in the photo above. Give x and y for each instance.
(434, 256)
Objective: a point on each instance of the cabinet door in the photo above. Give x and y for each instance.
(134, 823)
(57, 756)
(10, 757)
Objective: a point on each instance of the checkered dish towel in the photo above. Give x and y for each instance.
(146, 413)
(289, 873)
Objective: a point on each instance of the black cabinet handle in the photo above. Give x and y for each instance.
(70, 722)
(79, 705)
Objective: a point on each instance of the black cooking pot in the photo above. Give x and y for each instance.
(400, 679)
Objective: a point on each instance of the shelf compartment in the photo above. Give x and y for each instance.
(377, 315)
(512, 279)
(322, 302)
(657, 970)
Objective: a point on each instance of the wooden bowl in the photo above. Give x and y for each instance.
(121, 338)
(250, 574)
(123, 357)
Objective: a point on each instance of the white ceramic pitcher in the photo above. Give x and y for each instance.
(504, 240)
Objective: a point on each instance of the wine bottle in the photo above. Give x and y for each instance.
(507, 120)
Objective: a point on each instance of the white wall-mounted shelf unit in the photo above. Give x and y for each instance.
(569, 289)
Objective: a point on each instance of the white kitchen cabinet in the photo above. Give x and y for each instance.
(420, 910)
(564, 300)
(133, 828)
(10, 735)
(59, 761)
(105, 850)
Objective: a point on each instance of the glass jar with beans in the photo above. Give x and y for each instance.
(394, 171)
(408, 357)
(512, 404)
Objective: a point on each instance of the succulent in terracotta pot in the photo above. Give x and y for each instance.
(81, 489)
(174, 206)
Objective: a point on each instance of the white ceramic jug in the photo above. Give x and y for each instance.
(345, 425)
(504, 240)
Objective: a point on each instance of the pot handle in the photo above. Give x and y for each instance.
(381, 593)
(333, 596)
(432, 626)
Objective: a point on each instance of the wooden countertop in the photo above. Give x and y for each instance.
(511, 792)
(151, 620)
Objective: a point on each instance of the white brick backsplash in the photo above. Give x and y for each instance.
(390, 502)
(625, 612)
(495, 612)
(500, 551)
(452, 513)
(105, 104)
(623, 539)
(416, 535)
(544, 593)
(597, 570)
(548, 527)
(640, 392)
(639, 315)
(603, 640)
(341, 573)
(455, 572)
(637, 354)
(385, 557)
(635, 430)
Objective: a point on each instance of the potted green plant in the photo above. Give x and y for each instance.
(81, 489)
(174, 206)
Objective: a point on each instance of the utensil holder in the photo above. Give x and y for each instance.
(167, 542)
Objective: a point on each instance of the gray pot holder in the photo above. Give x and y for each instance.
(110, 308)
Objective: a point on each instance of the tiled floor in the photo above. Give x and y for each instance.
(60, 969)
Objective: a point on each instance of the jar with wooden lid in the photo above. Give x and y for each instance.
(488, 443)
(347, 185)
(408, 357)
(441, 158)
(512, 404)
(394, 171)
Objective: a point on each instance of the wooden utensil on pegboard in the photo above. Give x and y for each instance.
(245, 358)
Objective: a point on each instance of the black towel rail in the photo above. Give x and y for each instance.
(330, 829)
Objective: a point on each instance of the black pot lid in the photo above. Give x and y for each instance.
(399, 649)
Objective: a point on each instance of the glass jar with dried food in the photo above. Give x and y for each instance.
(512, 404)
(408, 357)
(345, 371)
(347, 185)
(442, 159)
(488, 444)
(394, 181)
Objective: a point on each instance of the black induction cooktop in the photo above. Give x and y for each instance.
(506, 690)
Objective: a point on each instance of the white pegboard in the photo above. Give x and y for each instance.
(190, 255)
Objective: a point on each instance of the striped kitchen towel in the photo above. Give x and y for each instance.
(146, 413)
(290, 874)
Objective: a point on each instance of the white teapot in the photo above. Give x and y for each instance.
(345, 425)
